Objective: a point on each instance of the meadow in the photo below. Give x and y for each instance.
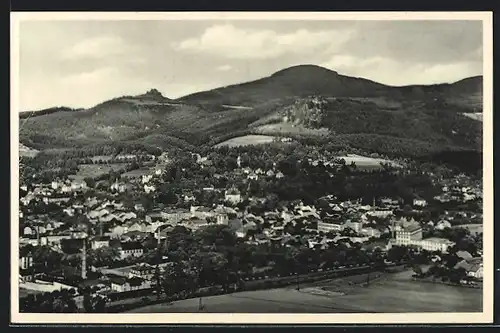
(95, 170)
(247, 140)
(392, 294)
(364, 162)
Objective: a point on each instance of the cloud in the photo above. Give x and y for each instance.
(97, 48)
(224, 68)
(392, 72)
(236, 43)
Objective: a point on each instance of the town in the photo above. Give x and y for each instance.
(175, 224)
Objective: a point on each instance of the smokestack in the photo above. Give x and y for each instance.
(84, 259)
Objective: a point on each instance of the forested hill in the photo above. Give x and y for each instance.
(354, 111)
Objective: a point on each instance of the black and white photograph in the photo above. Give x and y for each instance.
(252, 167)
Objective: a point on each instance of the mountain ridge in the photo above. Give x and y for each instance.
(352, 108)
(471, 82)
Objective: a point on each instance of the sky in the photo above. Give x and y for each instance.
(83, 63)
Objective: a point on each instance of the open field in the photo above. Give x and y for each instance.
(366, 162)
(95, 170)
(247, 140)
(395, 293)
(290, 129)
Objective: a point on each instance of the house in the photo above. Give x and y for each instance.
(117, 231)
(122, 284)
(27, 231)
(149, 188)
(100, 241)
(143, 271)
(443, 224)
(78, 185)
(69, 210)
(473, 267)
(189, 198)
(95, 214)
(270, 173)
(120, 187)
(135, 235)
(125, 216)
(135, 226)
(222, 219)
(419, 203)
(280, 175)
(252, 176)
(354, 225)
(233, 196)
(146, 178)
(130, 249)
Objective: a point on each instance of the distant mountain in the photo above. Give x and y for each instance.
(305, 101)
(307, 80)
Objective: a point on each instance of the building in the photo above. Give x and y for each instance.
(144, 271)
(129, 249)
(222, 219)
(201, 212)
(370, 232)
(25, 258)
(356, 226)
(100, 241)
(122, 284)
(380, 213)
(329, 227)
(473, 267)
(419, 203)
(233, 196)
(435, 244)
(409, 235)
(149, 188)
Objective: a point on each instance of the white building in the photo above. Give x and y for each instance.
(233, 196)
(409, 235)
(327, 227)
(130, 249)
(419, 203)
(436, 244)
